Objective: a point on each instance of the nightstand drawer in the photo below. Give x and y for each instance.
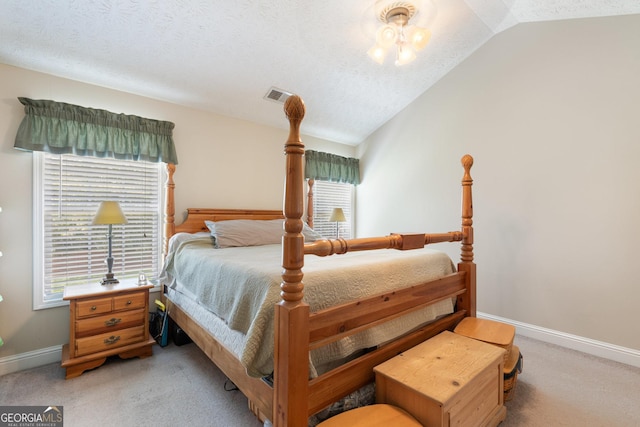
(129, 301)
(109, 322)
(93, 306)
(109, 340)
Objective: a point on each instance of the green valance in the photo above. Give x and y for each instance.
(331, 167)
(61, 128)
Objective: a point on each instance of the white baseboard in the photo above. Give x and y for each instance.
(596, 348)
(31, 359)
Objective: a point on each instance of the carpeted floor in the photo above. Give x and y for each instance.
(562, 387)
(179, 386)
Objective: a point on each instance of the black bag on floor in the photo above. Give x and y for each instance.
(178, 335)
(159, 327)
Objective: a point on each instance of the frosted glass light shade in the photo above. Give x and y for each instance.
(377, 53)
(420, 37)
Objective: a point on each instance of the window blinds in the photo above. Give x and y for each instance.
(329, 195)
(74, 251)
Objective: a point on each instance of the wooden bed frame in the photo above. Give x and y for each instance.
(294, 397)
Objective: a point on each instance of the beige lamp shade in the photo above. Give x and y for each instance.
(337, 215)
(109, 212)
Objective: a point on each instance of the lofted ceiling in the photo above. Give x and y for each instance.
(224, 56)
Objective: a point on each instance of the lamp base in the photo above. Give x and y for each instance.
(109, 279)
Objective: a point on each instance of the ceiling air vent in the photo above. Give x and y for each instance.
(277, 95)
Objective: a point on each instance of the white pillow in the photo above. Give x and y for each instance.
(310, 235)
(247, 232)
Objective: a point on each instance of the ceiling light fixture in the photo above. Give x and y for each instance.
(396, 30)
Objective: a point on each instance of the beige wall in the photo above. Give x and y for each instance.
(223, 162)
(550, 113)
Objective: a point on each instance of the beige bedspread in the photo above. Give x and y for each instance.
(242, 285)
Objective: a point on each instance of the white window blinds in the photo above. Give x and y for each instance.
(327, 196)
(68, 249)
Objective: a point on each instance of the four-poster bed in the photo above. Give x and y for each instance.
(299, 325)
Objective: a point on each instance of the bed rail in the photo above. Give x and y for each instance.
(339, 321)
(392, 241)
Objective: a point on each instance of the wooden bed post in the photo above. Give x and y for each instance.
(170, 208)
(467, 301)
(291, 364)
(310, 183)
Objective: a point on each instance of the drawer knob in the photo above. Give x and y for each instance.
(93, 308)
(112, 339)
(129, 302)
(112, 322)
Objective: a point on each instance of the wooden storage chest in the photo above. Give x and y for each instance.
(445, 381)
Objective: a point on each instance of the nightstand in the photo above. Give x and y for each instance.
(106, 320)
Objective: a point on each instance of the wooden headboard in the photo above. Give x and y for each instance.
(196, 217)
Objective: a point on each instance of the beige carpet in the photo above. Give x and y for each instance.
(179, 386)
(561, 387)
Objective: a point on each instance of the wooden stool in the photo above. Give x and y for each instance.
(381, 415)
(492, 332)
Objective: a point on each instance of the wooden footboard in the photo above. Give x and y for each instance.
(297, 331)
(351, 376)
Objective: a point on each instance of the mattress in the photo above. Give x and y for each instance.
(232, 292)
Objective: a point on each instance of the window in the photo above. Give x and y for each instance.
(68, 250)
(326, 196)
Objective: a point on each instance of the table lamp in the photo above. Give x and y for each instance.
(109, 213)
(337, 216)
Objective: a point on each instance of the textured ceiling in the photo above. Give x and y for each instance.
(223, 56)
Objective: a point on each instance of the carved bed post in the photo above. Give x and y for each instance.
(291, 364)
(310, 182)
(170, 208)
(467, 301)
